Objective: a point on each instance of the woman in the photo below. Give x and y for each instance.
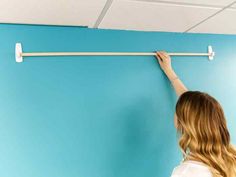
(204, 137)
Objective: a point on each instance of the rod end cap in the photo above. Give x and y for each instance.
(211, 53)
(18, 53)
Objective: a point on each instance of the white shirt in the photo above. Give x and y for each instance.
(191, 168)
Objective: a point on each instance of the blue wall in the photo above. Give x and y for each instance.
(101, 116)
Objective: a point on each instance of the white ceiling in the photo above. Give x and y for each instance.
(224, 22)
(151, 16)
(51, 12)
(196, 16)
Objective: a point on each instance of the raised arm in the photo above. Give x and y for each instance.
(165, 64)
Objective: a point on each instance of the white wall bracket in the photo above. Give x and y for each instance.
(19, 54)
(211, 53)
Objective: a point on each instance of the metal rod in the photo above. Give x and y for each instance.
(106, 54)
(19, 54)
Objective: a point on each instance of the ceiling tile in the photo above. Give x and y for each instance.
(222, 23)
(220, 3)
(153, 16)
(234, 5)
(51, 12)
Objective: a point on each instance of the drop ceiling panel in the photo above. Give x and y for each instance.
(220, 3)
(152, 16)
(222, 23)
(51, 12)
(234, 5)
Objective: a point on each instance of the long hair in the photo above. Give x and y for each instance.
(203, 132)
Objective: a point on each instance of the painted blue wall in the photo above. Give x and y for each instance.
(101, 116)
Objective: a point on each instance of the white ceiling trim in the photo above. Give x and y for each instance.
(205, 3)
(103, 13)
(183, 3)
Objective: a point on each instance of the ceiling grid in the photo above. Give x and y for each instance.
(185, 16)
(224, 8)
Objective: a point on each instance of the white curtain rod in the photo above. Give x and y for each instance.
(19, 54)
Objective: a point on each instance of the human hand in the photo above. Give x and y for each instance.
(164, 60)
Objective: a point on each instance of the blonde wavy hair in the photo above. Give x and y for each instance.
(203, 132)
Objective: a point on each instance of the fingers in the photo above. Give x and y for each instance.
(162, 55)
(158, 56)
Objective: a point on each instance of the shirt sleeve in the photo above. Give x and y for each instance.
(178, 171)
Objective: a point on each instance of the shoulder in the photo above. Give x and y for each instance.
(191, 169)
